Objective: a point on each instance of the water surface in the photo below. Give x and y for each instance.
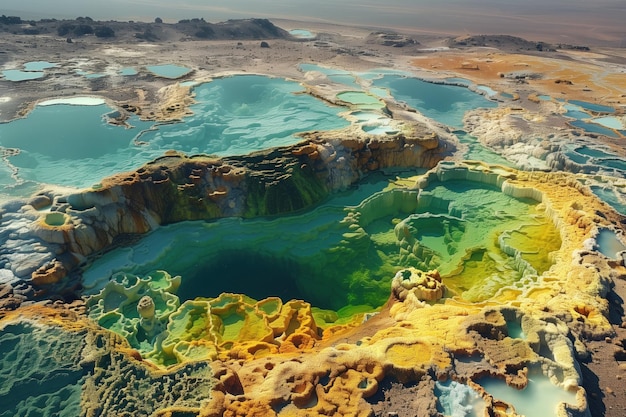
(168, 70)
(446, 104)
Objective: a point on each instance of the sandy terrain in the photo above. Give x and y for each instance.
(564, 74)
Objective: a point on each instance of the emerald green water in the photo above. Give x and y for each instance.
(345, 252)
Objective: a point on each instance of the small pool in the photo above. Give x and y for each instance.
(539, 398)
(128, 71)
(594, 153)
(577, 158)
(544, 98)
(576, 112)
(593, 107)
(302, 34)
(610, 197)
(608, 243)
(595, 128)
(367, 116)
(610, 122)
(38, 65)
(168, 70)
(361, 99)
(614, 163)
(446, 104)
(90, 75)
(18, 75)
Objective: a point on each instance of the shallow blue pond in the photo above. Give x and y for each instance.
(446, 104)
(17, 75)
(593, 107)
(168, 70)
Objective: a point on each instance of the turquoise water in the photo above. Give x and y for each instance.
(17, 75)
(596, 157)
(594, 128)
(368, 116)
(614, 163)
(539, 399)
(168, 70)
(301, 34)
(544, 98)
(514, 330)
(608, 243)
(478, 152)
(72, 145)
(90, 75)
(232, 248)
(594, 153)
(361, 100)
(609, 196)
(610, 122)
(379, 130)
(128, 71)
(576, 112)
(32, 71)
(69, 145)
(242, 114)
(488, 90)
(380, 92)
(349, 80)
(446, 104)
(577, 158)
(593, 107)
(38, 65)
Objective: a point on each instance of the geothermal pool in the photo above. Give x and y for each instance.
(169, 70)
(341, 255)
(446, 104)
(232, 116)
